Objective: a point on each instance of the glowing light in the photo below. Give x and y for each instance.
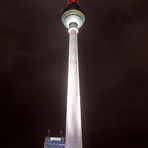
(55, 139)
(72, 1)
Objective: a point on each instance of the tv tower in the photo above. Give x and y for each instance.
(73, 19)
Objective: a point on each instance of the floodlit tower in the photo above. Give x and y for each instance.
(73, 19)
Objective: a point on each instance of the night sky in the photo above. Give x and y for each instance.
(113, 57)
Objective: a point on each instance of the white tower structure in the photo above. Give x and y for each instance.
(73, 18)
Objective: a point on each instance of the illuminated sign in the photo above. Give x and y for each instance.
(55, 139)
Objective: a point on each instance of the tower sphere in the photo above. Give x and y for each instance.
(73, 15)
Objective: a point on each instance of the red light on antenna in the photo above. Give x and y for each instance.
(73, 1)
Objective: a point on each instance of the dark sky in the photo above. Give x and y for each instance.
(113, 55)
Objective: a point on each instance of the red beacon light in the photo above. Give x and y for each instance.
(73, 1)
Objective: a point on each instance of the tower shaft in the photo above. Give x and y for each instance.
(73, 117)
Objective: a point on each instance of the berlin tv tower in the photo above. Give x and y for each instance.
(73, 19)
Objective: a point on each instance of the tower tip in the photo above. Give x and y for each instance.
(73, 14)
(73, 1)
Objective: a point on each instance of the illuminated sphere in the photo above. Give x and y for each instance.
(73, 15)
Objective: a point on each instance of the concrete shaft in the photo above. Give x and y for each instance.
(73, 117)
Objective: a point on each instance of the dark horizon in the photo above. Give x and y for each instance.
(113, 51)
